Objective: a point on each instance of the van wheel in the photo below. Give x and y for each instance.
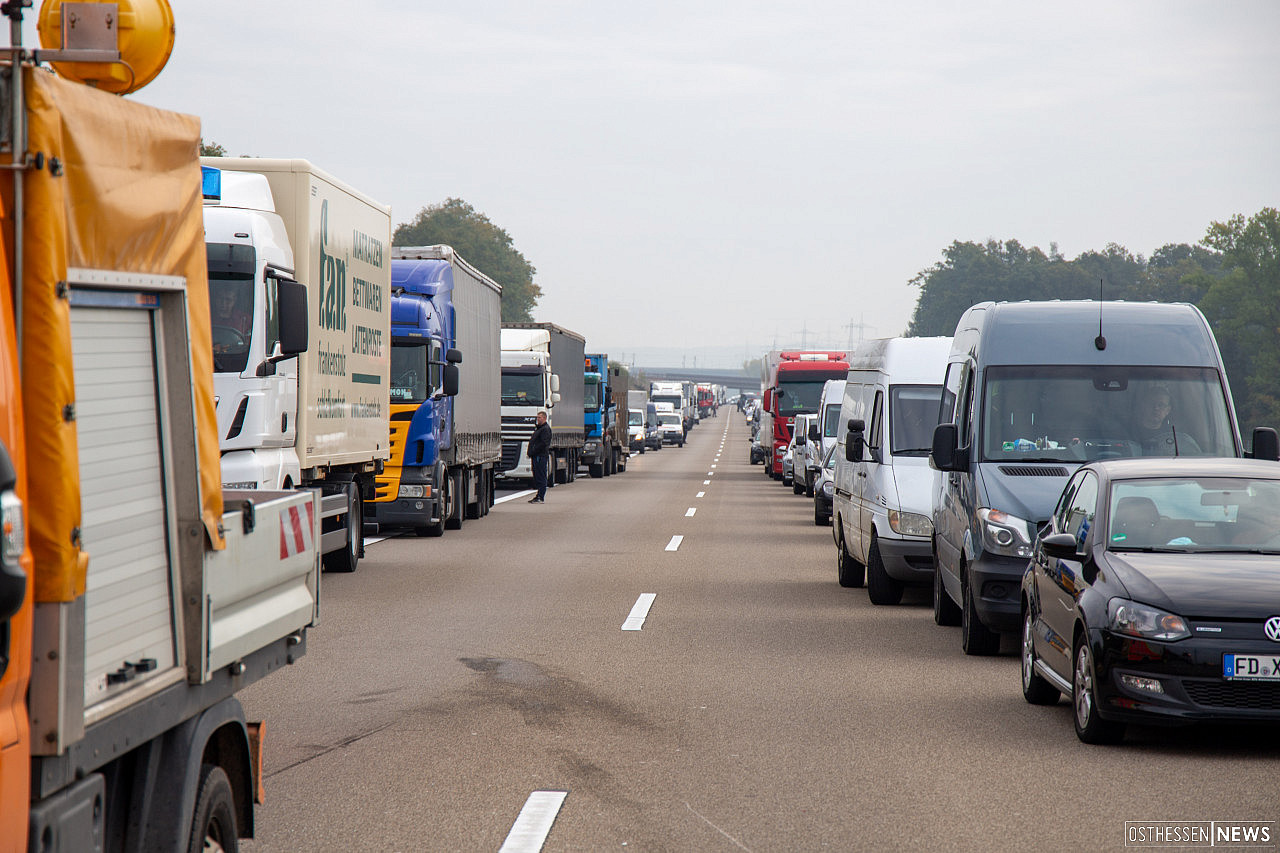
(849, 571)
(797, 487)
(975, 638)
(213, 825)
(881, 588)
(945, 611)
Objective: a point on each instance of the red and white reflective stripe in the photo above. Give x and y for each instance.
(296, 537)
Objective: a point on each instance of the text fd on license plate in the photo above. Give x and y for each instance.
(1251, 667)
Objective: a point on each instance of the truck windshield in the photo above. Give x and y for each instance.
(796, 398)
(591, 396)
(1082, 413)
(231, 319)
(635, 419)
(912, 412)
(409, 372)
(521, 389)
(673, 399)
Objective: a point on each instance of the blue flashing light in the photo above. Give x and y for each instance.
(211, 182)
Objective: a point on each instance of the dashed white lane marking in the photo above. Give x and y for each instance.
(711, 473)
(533, 824)
(706, 482)
(700, 494)
(639, 612)
(674, 544)
(713, 466)
(690, 511)
(515, 495)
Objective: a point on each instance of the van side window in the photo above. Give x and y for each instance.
(875, 433)
(964, 411)
(950, 391)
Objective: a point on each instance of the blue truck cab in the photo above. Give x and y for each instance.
(413, 489)
(597, 448)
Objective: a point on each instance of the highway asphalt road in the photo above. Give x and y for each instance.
(761, 707)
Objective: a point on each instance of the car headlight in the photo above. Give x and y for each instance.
(1005, 534)
(910, 523)
(1141, 620)
(415, 492)
(827, 488)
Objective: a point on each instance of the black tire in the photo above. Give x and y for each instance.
(213, 824)
(346, 560)
(849, 572)
(473, 509)
(819, 518)
(457, 507)
(809, 486)
(881, 588)
(945, 611)
(437, 528)
(975, 638)
(797, 487)
(597, 471)
(1035, 689)
(1090, 727)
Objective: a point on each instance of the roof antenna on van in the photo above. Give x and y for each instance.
(1100, 342)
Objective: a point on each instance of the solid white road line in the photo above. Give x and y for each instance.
(690, 511)
(533, 824)
(700, 494)
(674, 544)
(639, 612)
(512, 497)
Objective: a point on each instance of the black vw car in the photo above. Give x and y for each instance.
(1153, 595)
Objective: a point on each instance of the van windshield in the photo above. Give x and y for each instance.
(913, 409)
(1083, 413)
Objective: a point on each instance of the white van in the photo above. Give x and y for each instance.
(882, 501)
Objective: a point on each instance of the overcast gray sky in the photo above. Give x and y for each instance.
(704, 179)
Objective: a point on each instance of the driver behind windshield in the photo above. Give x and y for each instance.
(227, 313)
(1154, 429)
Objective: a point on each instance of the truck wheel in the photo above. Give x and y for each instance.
(597, 471)
(621, 463)
(473, 487)
(457, 504)
(881, 588)
(348, 558)
(213, 826)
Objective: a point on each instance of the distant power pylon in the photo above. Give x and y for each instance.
(860, 326)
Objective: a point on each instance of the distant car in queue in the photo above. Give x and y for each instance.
(823, 487)
(1153, 595)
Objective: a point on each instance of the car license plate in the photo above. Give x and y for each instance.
(1251, 667)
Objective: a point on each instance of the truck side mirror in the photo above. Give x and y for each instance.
(13, 581)
(449, 381)
(814, 434)
(295, 322)
(768, 399)
(946, 454)
(555, 382)
(1266, 445)
(854, 441)
(555, 397)
(453, 356)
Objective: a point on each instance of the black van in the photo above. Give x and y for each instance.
(1032, 391)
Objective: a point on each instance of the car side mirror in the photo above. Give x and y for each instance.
(450, 380)
(946, 454)
(855, 441)
(1060, 546)
(1266, 445)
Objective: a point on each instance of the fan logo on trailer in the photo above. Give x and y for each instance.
(1272, 628)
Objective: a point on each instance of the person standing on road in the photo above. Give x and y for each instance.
(539, 450)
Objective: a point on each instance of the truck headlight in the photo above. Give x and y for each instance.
(415, 491)
(910, 523)
(1005, 534)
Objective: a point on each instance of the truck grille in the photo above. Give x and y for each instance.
(517, 428)
(510, 455)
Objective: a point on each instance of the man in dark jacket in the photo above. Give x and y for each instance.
(539, 449)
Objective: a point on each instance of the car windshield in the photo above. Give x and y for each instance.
(799, 397)
(669, 420)
(1195, 514)
(635, 419)
(913, 411)
(521, 389)
(1083, 413)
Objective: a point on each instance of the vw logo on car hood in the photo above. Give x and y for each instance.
(1272, 628)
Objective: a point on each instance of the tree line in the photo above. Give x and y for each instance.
(1232, 275)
